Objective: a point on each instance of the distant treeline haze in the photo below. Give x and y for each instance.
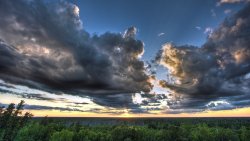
(15, 126)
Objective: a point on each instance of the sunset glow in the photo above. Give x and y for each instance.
(170, 58)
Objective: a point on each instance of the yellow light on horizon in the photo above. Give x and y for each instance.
(240, 112)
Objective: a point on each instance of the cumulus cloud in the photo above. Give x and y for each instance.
(43, 45)
(216, 71)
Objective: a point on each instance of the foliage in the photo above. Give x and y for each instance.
(64, 135)
(11, 120)
(33, 132)
(15, 127)
(244, 134)
(202, 133)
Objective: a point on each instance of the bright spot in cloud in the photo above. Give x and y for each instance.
(219, 104)
(137, 99)
(208, 31)
(76, 10)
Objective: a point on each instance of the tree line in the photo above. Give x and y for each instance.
(15, 126)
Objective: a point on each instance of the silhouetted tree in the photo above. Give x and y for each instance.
(12, 120)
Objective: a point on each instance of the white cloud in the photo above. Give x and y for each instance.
(161, 34)
(208, 31)
(198, 27)
(219, 105)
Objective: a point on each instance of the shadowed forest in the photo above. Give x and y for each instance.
(16, 126)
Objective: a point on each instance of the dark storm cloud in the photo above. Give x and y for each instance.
(217, 71)
(44, 45)
(121, 100)
(67, 109)
(37, 96)
(41, 107)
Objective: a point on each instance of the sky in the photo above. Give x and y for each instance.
(133, 58)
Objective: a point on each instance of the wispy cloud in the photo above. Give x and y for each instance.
(227, 11)
(213, 14)
(161, 34)
(198, 27)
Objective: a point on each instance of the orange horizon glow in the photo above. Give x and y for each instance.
(240, 112)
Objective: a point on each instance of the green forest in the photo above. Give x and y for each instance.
(16, 126)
